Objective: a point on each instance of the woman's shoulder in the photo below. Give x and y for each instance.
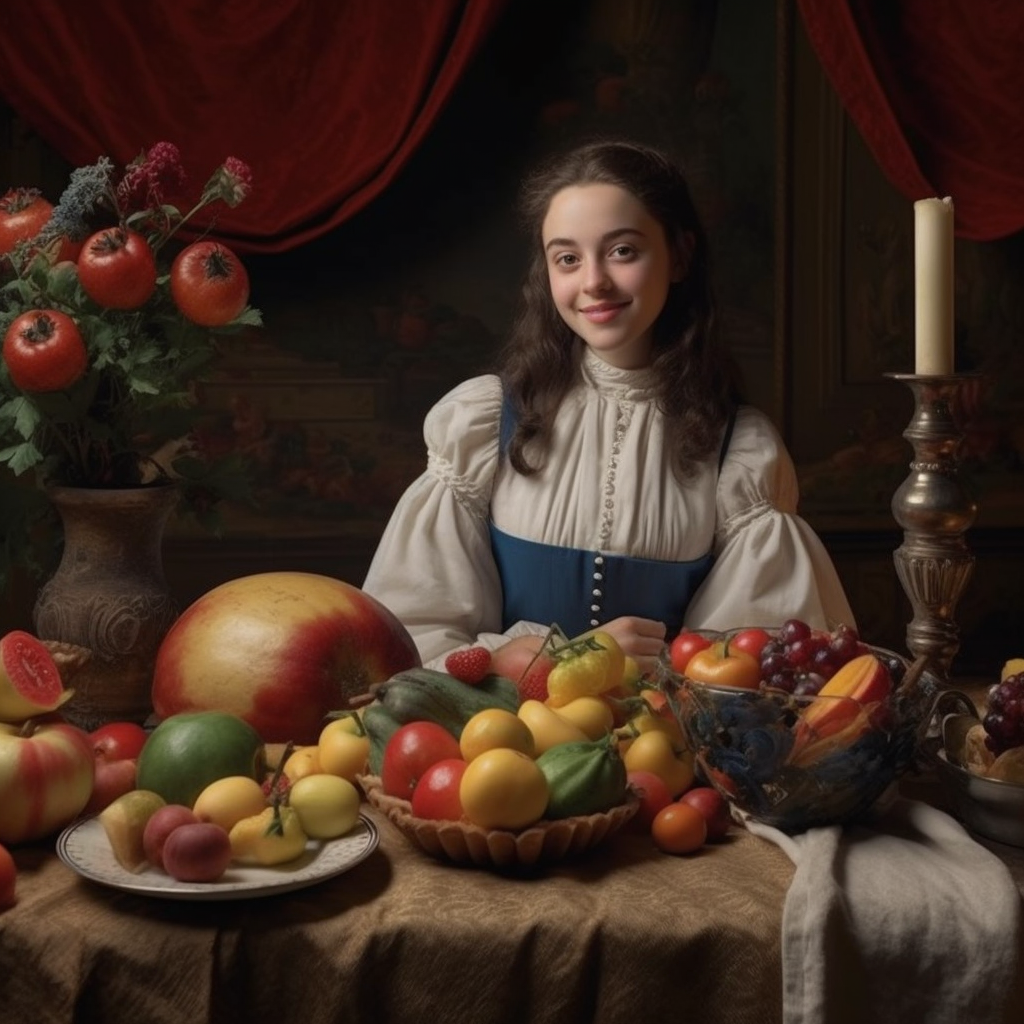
(463, 426)
(757, 465)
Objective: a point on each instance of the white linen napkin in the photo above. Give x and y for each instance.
(904, 919)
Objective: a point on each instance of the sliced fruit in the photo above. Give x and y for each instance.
(862, 681)
(30, 682)
(1012, 668)
(124, 822)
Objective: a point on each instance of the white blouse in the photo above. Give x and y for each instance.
(607, 486)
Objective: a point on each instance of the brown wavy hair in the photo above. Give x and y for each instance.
(697, 383)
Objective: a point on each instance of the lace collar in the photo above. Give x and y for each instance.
(635, 385)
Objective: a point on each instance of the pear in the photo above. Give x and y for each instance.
(124, 822)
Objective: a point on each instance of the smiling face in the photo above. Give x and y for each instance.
(609, 267)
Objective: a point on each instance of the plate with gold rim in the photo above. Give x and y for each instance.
(83, 846)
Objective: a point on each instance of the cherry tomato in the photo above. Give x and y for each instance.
(436, 795)
(713, 806)
(117, 269)
(8, 879)
(684, 647)
(410, 751)
(44, 351)
(654, 795)
(209, 284)
(679, 828)
(118, 741)
(23, 214)
(751, 641)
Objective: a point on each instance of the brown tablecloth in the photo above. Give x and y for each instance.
(625, 934)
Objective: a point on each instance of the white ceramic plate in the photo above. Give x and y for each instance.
(84, 847)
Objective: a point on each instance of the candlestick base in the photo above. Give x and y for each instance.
(932, 506)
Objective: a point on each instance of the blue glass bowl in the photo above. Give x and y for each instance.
(755, 748)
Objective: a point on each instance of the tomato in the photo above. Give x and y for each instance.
(410, 751)
(44, 351)
(684, 647)
(209, 284)
(46, 779)
(751, 641)
(720, 665)
(23, 214)
(654, 795)
(679, 828)
(8, 879)
(117, 269)
(503, 789)
(713, 806)
(436, 795)
(495, 727)
(116, 741)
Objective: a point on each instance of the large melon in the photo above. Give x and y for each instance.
(280, 650)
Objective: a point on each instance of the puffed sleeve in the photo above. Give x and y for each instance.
(433, 567)
(769, 564)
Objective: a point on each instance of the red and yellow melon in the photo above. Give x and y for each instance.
(280, 650)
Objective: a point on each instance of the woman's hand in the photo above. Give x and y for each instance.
(640, 639)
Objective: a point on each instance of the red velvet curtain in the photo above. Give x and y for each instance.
(936, 88)
(324, 99)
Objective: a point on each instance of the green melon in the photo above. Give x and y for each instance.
(186, 752)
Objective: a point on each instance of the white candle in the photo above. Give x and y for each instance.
(933, 286)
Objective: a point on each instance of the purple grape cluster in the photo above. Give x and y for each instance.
(800, 660)
(1004, 719)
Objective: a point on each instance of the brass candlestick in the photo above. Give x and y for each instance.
(935, 511)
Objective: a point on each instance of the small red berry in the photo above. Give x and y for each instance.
(469, 665)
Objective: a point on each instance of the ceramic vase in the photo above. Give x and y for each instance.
(110, 596)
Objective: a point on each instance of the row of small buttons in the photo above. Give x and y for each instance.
(597, 592)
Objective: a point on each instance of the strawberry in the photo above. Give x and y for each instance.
(470, 665)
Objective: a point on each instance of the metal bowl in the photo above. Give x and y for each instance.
(749, 745)
(993, 808)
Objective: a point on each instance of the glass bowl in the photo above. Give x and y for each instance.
(786, 766)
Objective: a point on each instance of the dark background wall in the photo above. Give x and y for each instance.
(368, 326)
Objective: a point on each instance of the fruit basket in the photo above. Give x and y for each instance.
(990, 806)
(463, 843)
(795, 760)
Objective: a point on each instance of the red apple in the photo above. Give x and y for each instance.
(713, 806)
(280, 650)
(111, 780)
(46, 779)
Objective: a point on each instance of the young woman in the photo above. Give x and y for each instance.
(608, 476)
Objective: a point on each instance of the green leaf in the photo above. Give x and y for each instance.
(21, 457)
(26, 417)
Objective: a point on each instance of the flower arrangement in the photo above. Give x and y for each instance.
(105, 337)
